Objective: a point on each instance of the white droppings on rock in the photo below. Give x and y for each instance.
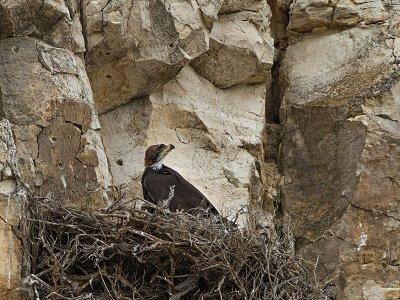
(363, 241)
(63, 181)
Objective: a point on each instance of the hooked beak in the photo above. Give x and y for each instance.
(166, 151)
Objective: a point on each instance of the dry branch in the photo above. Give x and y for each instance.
(129, 253)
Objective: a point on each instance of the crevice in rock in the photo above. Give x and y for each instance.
(83, 25)
(76, 125)
(253, 149)
(69, 5)
(272, 130)
(374, 212)
(272, 110)
(394, 52)
(279, 23)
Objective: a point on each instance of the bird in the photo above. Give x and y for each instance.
(163, 185)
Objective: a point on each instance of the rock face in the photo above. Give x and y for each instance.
(216, 145)
(289, 106)
(54, 21)
(11, 210)
(59, 152)
(241, 47)
(340, 147)
(136, 46)
(50, 142)
(213, 111)
(316, 15)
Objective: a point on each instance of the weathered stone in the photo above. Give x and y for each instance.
(11, 203)
(124, 131)
(307, 15)
(28, 153)
(349, 13)
(372, 291)
(210, 140)
(209, 10)
(234, 6)
(54, 76)
(339, 152)
(67, 34)
(54, 122)
(22, 17)
(92, 153)
(135, 47)
(59, 143)
(319, 97)
(55, 21)
(11, 247)
(378, 188)
(331, 166)
(241, 48)
(331, 66)
(57, 60)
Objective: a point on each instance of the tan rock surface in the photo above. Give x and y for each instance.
(340, 147)
(50, 115)
(55, 21)
(309, 15)
(210, 139)
(11, 251)
(47, 103)
(135, 47)
(241, 47)
(328, 161)
(30, 16)
(11, 211)
(210, 10)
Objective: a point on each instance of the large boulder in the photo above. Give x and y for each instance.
(55, 21)
(30, 16)
(134, 47)
(241, 46)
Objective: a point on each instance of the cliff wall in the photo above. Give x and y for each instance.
(292, 107)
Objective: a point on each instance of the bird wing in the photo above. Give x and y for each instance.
(187, 196)
(156, 188)
(156, 185)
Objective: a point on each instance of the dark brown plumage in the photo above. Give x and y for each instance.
(158, 179)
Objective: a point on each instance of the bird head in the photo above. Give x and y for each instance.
(156, 153)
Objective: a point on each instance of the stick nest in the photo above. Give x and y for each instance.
(129, 253)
